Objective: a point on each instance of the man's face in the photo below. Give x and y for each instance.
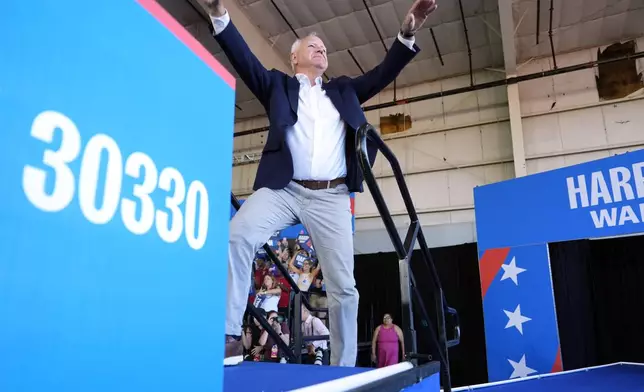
(311, 54)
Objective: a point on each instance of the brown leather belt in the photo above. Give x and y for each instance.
(318, 185)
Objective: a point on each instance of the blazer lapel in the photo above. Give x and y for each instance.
(293, 90)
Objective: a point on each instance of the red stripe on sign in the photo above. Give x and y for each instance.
(558, 365)
(490, 265)
(184, 36)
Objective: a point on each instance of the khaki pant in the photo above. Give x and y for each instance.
(326, 216)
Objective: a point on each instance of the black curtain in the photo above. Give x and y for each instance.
(377, 279)
(458, 271)
(378, 284)
(599, 297)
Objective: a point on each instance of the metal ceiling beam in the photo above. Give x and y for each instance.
(298, 36)
(259, 45)
(375, 26)
(506, 19)
(467, 41)
(538, 19)
(382, 41)
(508, 31)
(502, 82)
(355, 61)
(438, 51)
(552, 46)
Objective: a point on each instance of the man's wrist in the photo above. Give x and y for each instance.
(406, 35)
(218, 13)
(216, 9)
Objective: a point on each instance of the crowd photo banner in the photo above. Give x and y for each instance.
(515, 221)
(115, 167)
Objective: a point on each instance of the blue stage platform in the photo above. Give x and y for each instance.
(276, 377)
(616, 377)
(273, 377)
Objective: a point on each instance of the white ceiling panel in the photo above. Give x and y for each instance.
(349, 33)
(576, 24)
(353, 36)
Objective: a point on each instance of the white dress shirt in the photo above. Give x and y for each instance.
(317, 140)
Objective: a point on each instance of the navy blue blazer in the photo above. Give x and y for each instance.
(279, 93)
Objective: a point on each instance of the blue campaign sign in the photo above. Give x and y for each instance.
(515, 221)
(115, 162)
(595, 199)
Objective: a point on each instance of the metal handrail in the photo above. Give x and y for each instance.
(299, 299)
(367, 134)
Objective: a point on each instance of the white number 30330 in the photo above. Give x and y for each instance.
(170, 225)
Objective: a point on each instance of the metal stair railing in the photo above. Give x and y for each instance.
(299, 299)
(365, 134)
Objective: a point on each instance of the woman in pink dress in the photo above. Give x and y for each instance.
(386, 338)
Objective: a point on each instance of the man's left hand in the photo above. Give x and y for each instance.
(417, 16)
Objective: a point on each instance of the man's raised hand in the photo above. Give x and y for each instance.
(417, 16)
(214, 7)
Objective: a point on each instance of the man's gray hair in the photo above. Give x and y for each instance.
(296, 45)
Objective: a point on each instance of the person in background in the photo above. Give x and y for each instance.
(386, 338)
(317, 298)
(272, 352)
(263, 266)
(318, 352)
(283, 244)
(285, 296)
(306, 276)
(252, 339)
(284, 256)
(251, 289)
(268, 296)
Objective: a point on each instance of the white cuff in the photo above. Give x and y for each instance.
(220, 22)
(408, 42)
